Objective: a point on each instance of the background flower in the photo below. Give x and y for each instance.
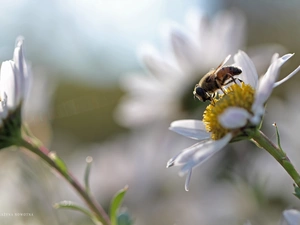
(193, 51)
(15, 79)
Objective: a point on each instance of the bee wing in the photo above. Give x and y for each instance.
(222, 64)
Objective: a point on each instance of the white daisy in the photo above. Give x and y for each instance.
(14, 84)
(14, 80)
(158, 95)
(233, 117)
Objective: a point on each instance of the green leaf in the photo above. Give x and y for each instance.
(124, 219)
(58, 161)
(73, 206)
(278, 136)
(297, 191)
(115, 205)
(89, 161)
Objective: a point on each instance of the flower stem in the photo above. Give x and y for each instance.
(44, 154)
(264, 142)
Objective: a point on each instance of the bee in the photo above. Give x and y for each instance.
(215, 80)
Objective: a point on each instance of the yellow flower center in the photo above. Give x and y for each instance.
(236, 95)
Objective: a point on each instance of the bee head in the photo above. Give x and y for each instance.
(201, 94)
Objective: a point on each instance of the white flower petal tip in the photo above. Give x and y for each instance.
(19, 41)
(170, 163)
(179, 40)
(247, 223)
(291, 217)
(187, 181)
(287, 57)
(146, 50)
(287, 77)
(268, 82)
(18, 57)
(274, 57)
(194, 129)
(234, 117)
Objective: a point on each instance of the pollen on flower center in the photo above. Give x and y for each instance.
(236, 95)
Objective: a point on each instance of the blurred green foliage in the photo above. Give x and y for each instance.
(86, 112)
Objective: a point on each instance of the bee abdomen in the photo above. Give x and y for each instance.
(233, 70)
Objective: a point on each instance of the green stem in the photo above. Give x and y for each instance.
(43, 153)
(263, 141)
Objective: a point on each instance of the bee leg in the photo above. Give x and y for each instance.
(220, 86)
(239, 80)
(233, 80)
(210, 97)
(212, 100)
(229, 76)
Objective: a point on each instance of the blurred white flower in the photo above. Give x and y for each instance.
(240, 109)
(14, 84)
(291, 217)
(157, 96)
(14, 81)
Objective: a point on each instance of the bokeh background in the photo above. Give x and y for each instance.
(87, 100)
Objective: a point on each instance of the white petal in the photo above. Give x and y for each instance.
(196, 21)
(199, 153)
(8, 84)
(133, 112)
(184, 48)
(187, 180)
(194, 129)
(266, 84)
(156, 65)
(21, 70)
(187, 154)
(287, 77)
(249, 74)
(140, 85)
(291, 217)
(224, 25)
(18, 57)
(274, 57)
(234, 117)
